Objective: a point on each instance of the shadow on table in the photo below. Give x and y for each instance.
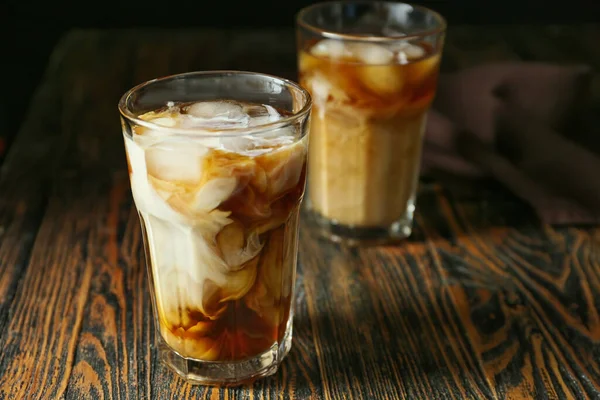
(415, 345)
(412, 351)
(419, 321)
(451, 207)
(457, 208)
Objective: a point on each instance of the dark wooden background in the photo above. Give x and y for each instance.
(483, 302)
(30, 30)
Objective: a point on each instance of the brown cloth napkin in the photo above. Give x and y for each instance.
(522, 124)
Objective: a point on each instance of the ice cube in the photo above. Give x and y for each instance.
(276, 137)
(215, 109)
(414, 51)
(165, 121)
(330, 48)
(370, 53)
(407, 52)
(402, 58)
(382, 79)
(215, 115)
(274, 115)
(249, 145)
(322, 89)
(425, 67)
(176, 161)
(259, 142)
(307, 62)
(146, 137)
(261, 114)
(237, 144)
(148, 134)
(146, 198)
(213, 193)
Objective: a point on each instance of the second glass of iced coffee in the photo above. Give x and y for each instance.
(371, 69)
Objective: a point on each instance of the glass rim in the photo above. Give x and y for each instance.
(300, 16)
(200, 133)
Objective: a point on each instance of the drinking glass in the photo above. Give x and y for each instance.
(217, 165)
(372, 70)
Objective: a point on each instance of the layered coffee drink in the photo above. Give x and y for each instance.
(370, 105)
(371, 69)
(219, 212)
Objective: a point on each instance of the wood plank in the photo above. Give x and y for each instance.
(25, 179)
(511, 43)
(49, 309)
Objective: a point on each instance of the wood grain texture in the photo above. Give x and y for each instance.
(483, 302)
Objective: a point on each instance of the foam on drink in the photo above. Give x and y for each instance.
(218, 211)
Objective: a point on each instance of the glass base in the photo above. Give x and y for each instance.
(352, 235)
(227, 373)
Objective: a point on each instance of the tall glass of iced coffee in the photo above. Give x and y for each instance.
(217, 164)
(371, 68)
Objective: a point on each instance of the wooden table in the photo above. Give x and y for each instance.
(482, 302)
